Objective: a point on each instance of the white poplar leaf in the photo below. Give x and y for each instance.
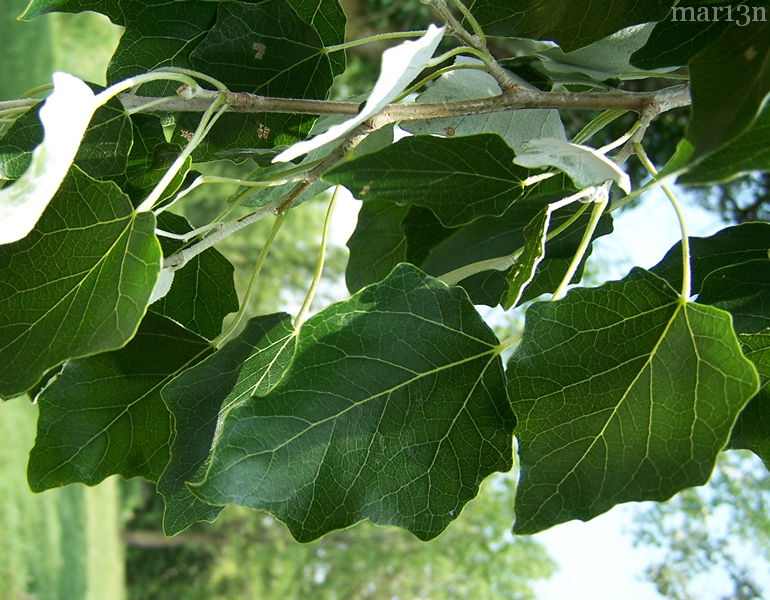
(65, 116)
(585, 165)
(400, 65)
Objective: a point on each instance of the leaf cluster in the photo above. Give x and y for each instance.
(394, 404)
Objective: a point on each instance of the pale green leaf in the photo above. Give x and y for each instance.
(586, 166)
(623, 393)
(514, 126)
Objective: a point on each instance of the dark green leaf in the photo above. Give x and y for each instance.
(274, 47)
(570, 23)
(730, 83)
(743, 290)
(752, 430)
(732, 245)
(201, 399)
(78, 284)
(496, 237)
(747, 152)
(203, 292)
(624, 392)
(673, 43)
(104, 415)
(394, 409)
(459, 179)
(377, 245)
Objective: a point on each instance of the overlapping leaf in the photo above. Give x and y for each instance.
(201, 400)
(570, 23)
(393, 409)
(743, 290)
(623, 392)
(78, 284)
(730, 84)
(730, 246)
(273, 48)
(672, 43)
(752, 430)
(459, 179)
(377, 245)
(104, 415)
(490, 238)
(747, 152)
(203, 292)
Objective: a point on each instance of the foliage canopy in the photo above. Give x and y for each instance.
(394, 404)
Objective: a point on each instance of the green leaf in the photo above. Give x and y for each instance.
(377, 245)
(78, 284)
(514, 126)
(394, 409)
(500, 237)
(747, 152)
(585, 166)
(533, 252)
(459, 179)
(65, 116)
(274, 47)
(730, 83)
(570, 23)
(203, 292)
(752, 430)
(104, 414)
(743, 290)
(731, 245)
(623, 392)
(673, 43)
(201, 399)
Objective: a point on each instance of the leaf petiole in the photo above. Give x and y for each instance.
(686, 269)
(319, 263)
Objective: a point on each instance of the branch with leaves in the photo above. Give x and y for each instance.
(395, 403)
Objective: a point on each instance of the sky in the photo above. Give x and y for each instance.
(596, 559)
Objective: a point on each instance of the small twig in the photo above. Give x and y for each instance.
(177, 260)
(477, 41)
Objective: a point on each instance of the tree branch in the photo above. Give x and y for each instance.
(515, 99)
